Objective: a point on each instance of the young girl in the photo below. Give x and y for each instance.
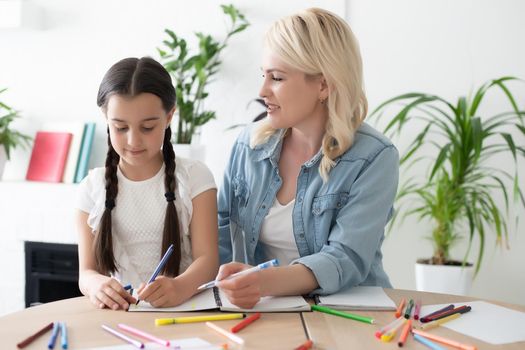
(144, 199)
(311, 184)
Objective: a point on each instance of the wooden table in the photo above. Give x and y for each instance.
(332, 332)
(272, 331)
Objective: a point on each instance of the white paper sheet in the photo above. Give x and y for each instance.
(488, 322)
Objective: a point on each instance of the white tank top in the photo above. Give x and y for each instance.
(277, 236)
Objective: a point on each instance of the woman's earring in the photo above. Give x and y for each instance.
(322, 100)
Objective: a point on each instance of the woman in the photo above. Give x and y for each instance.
(310, 185)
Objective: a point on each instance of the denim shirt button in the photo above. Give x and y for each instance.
(264, 206)
(301, 235)
(300, 199)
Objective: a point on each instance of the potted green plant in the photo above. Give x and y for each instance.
(193, 72)
(9, 138)
(463, 194)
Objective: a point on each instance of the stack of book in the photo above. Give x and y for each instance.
(60, 153)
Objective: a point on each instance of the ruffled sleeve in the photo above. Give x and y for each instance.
(193, 178)
(91, 198)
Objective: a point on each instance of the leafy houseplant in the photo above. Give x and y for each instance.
(9, 138)
(192, 73)
(458, 193)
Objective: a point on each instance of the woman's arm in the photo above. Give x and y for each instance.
(224, 212)
(245, 291)
(103, 291)
(347, 256)
(166, 291)
(355, 238)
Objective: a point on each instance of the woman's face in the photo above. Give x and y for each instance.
(292, 97)
(136, 128)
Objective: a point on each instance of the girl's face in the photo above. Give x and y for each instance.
(136, 128)
(293, 99)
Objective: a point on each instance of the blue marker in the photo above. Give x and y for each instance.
(53, 339)
(63, 335)
(259, 267)
(161, 264)
(427, 342)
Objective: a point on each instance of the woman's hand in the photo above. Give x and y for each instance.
(163, 292)
(105, 291)
(242, 291)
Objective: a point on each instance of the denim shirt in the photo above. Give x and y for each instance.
(338, 225)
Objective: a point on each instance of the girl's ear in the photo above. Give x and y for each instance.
(170, 116)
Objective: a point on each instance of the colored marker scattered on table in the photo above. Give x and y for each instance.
(34, 336)
(244, 323)
(354, 317)
(192, 319)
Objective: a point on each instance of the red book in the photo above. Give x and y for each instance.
(49, 156)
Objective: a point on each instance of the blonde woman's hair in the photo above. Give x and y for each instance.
(318, 42)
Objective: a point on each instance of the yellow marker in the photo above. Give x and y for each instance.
(439, 322)
(388, 336)
(190, 319)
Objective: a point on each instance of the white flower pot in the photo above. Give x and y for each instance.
(191, 151)
(3, 160)
(444, 278)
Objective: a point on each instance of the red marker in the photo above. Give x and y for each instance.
(31, 338)
(459, 310)
(305, 346)
(245, 322)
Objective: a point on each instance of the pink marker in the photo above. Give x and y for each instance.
(417, 310)
(143, 334)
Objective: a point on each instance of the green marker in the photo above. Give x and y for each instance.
(330, 311)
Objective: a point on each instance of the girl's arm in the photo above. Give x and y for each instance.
(103, 291)
(166, 291)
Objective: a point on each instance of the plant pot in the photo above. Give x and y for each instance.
(448, 279)
(191, 151)
(3, 160)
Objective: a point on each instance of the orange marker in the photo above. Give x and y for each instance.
(404, 333)
(445, 341)
(399, 310)
(245, 322)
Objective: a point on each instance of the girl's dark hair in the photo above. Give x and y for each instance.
(131, 77)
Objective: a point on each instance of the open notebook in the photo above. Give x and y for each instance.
(213, 298)
(356, 298)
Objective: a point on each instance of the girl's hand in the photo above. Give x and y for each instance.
(108, 292)
(242, 291)
(163, 292)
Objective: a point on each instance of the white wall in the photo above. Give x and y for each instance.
(444, 47)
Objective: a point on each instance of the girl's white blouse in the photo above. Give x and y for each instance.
(138, 216)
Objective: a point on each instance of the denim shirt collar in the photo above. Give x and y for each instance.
(271, 149)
